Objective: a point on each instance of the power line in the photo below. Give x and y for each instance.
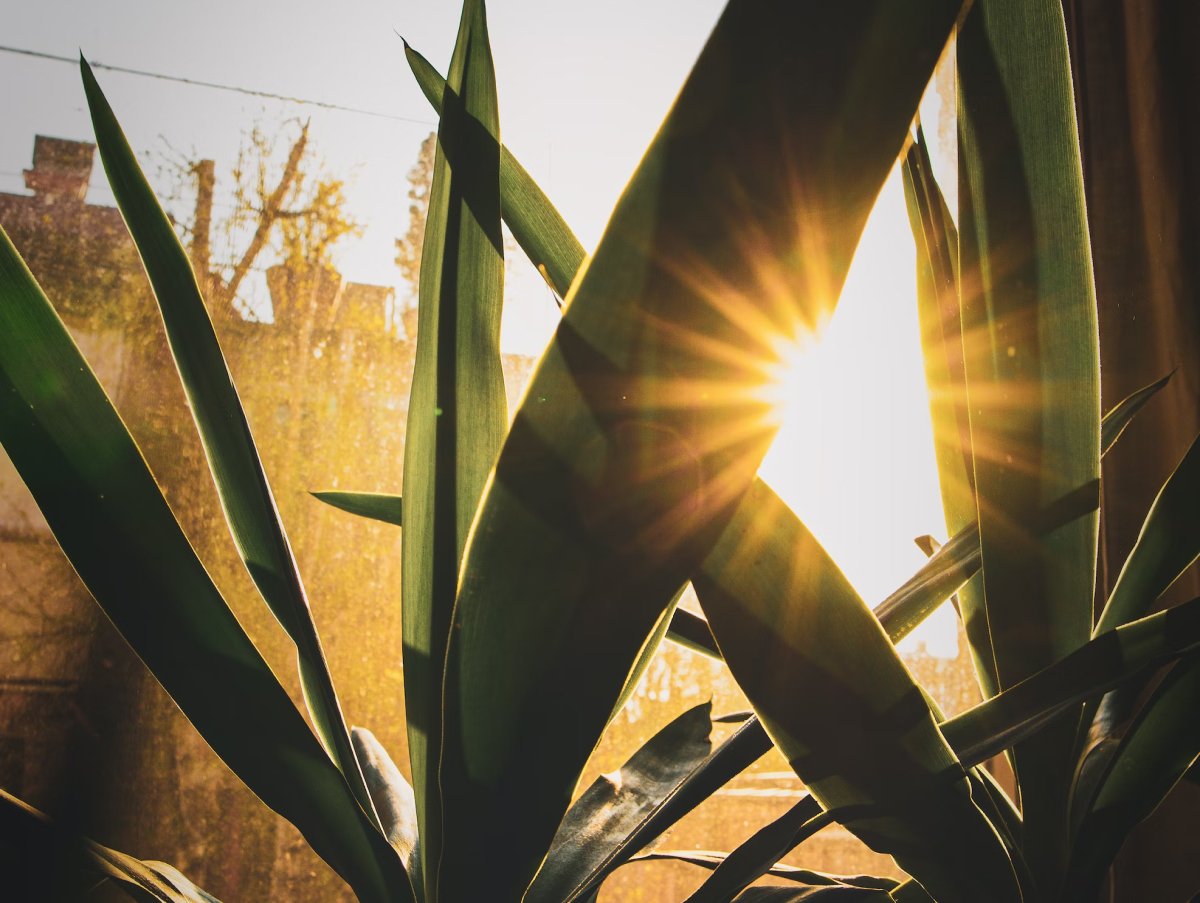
(217, 86)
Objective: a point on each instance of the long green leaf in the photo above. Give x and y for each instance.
(1032, 367)
(34, 843)
(832, 692)
(710, 860)
(940, 317)
(837, 894)
(540, 231)
(588, 844)
(1158, 749)
(757, 855)
(612, 484)
(956, 561)
(1168, 543)
(734, 755)
(372, 505)
(1110, 659)
(224, 430)
(457, 413)
(93, 487)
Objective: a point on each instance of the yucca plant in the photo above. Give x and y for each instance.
(542, 561)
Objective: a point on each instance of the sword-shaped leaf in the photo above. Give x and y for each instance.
(710, 860)
(1168, 543)
(942, 345)
(372, 505)
(457, 414)
(836, 894)
(98, 496)
(956, 561)
(1032, 366)
(224, 430)
(832, 692)
(540, 231)
(613, 482)
(1161, 744)
(591, 835)
(1110, 659)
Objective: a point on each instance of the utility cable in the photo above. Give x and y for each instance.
(217, 86)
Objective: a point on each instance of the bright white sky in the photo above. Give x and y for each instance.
(582, 88)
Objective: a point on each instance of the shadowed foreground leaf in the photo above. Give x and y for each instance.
(591, 834)
(106, 512)
(34, 840)
(608, 491)
(839, 894)
(829, 687)
(1136, 775)
(709, 860)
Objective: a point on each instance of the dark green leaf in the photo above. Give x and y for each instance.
(542, 234)
(709, 860)
(1032, 367)
(760, 853)
(590, 842)
(733, 756)
(1168, 543)
(956, 561)
(457, 413)
(838, 894)
(942, 345)
(104, 508)
(1114, 422)
(224, 431)
(373, 505)
(612, 485)
(1112, 658)
(1136, 774)
(692, 631)
(835, 697)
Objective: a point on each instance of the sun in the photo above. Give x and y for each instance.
(854, 454)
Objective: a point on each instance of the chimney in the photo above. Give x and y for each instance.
(61, 169)
(364, 308)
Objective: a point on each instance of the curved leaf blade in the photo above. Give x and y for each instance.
(540, 231)
(1032, 367)
(98, 496)
(1112, 658)
(1158, 749)
(1166, 546)
(457, 414)
(612, 808)
(832, 692)
(224, 430)
(388, 509)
